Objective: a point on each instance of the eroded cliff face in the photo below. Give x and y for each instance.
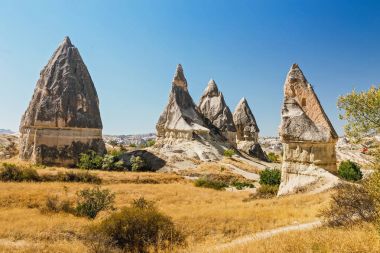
(308, 139)
(215, 109)
(63, 118)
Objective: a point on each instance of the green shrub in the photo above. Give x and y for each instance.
(112, 162)
(138, 228)
(241, 185)
(91, 201)
(273, 157)
(210, 183)
(270, 177)
(350, 171)
(137, 163)
(229, 153)
(150, 143)
(90, 161)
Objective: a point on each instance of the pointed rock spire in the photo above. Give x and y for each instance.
(245, 122)
(298, 90)
(179, 78)
(180, 118)
(64, 111)
(214, 108)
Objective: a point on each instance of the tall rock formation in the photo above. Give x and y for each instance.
(214, 108)
(308, 138)
(63, 118)
(247, 131)
(180, 118)
(182, 130)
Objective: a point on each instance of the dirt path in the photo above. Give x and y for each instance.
(265, 234)
(246, 174)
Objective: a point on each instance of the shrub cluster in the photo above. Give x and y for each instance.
(12, 173)
(210, 183)
(350, 171)
(220, 183)
(270, 177)
(88, 204)
(138, 228)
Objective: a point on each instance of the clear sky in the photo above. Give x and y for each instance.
(131, 49)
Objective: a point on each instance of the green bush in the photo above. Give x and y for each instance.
(91, 201)
(150, 143)
(137, 163)
(273, 157)
(138, 228)
(113, 162)
(90, 161)
(241, 185)
(270, 177)
(229, 153)
(210, 183)
(350, 171)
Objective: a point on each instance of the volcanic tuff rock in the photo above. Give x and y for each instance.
(182, 130)
(247, 135)
(308, 138)
(214, 108)
(63, 118)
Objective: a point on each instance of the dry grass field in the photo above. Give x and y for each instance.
(208, 217)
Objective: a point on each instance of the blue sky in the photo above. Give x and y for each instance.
(131, 49)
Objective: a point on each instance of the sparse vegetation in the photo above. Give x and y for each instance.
(210, 183)
(229, 153)
(137, 163)
(274, 158)
(350, 204)
(270, 177)
(90, 161)
(92, 201)
(150, 143)
(138, 228)
(350, 171)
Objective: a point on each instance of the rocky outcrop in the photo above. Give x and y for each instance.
(182, 130)
(215, 109)
(63, 118)
(247, 131)
(308, 138)
(180, 118)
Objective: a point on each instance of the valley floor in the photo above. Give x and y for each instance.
(208, 217)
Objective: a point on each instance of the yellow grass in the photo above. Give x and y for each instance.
(358, 239)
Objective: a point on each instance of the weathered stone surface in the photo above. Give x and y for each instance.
(180, 119)
(214, 108)
(63, 118)
(182, 130)
(247, 135)
(308, 138)
(245, 122)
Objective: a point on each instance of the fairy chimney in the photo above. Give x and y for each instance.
(63, 118)
(215, 109)
(308, 138)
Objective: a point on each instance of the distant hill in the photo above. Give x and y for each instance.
(6, 131)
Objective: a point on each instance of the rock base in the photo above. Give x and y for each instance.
(59, 146)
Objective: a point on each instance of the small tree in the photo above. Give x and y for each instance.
(350, 171)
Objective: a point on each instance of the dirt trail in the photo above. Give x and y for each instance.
(246, 174)
(265, 234)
